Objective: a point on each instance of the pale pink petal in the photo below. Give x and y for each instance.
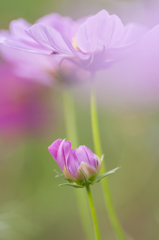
(82, 155)
(99, 31)
(22, 45)
(53, 148)
(65, 25)
(132, 32)
(71, 164)
(49, 38)
(18, 27)
(91, 156)
(54, 151)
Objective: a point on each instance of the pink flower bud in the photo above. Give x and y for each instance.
(72, 160)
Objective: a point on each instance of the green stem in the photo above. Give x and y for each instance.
(95, 129)
(70, 122)
(93, 212)
(71, 133)
(98, 150)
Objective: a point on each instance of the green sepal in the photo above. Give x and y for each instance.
(71, 185)
(86, 182)
(99, 178)
(60, 175)
(102, 157)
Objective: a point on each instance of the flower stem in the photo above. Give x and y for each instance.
(71, 132)
(93, 212)
(105, 186)
(70, 121)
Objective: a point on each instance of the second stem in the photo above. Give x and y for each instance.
(98, 150)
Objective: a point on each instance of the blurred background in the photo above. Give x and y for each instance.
(32, 206)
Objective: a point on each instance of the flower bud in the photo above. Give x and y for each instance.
(71, 161)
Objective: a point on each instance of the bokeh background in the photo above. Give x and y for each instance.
(32, 206)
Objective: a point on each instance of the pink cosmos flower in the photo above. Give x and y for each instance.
(92, 43)
(71, 160)
(22, 110)
(34, 67)
(133, 83)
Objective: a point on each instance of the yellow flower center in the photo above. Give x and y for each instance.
(74, 43)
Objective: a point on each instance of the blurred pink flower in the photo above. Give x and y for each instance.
(71, 160)
(22, 110)
(34, 67)
(91, 43)
(133, 83)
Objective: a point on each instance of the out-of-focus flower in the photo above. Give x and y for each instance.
(42, 68)
(34, 67)
(71, 161)
(133, 83)
(91, 43)
(22, 109)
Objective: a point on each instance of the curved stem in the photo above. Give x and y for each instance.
(105, 186)
(93, 212)
(71, 132)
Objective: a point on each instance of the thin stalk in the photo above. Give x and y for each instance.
(93, 212)
(71, 133)
(105, 186)
(70, 119)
